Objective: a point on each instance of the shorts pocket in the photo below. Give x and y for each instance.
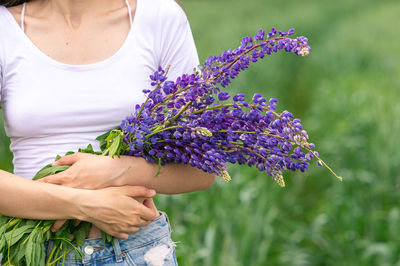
(157, 253)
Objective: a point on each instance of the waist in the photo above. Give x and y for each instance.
(32, 154)
(145, 233)
(94, 248)
(95, 232)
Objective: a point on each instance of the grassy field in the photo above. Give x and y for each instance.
(347, 93)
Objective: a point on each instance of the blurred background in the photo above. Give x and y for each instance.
(347, 94)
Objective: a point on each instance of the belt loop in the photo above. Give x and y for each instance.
(117, 250)
(167, 220)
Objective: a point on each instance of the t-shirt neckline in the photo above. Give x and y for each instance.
(109, 60)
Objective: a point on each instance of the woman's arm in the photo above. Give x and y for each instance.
(112, 209)
(92, 172)
(21, 197)
(173, 178)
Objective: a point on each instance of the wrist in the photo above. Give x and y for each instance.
(140, 172)
(79, 199)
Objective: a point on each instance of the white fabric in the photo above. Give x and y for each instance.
(50, 107)
(129, 12)
(23, 16)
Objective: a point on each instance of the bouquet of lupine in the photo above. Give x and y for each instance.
(192, 121)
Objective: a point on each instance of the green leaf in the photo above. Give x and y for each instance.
(89, 149)
(32, 222)
(47, 235)
(65, 230)
(42, 255)
(103, 145)
(115, 148)
(110, 239)
(3, 228)
(14, 236)
(20, 252)
(105, 135)
(30, 248)
(81, 233)
(39, 254)
(30, 251)
(104, 237)
(113, 134)
(13, 254)
(47, 223)
(13, 221)
(3, 243)
(50, 170)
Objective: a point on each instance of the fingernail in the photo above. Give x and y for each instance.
(152, 191)
(53, 230)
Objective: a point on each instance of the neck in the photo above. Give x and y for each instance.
(75, 11)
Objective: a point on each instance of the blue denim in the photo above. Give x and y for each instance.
(151, 245)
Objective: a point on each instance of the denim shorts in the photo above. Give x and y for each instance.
(150, 246)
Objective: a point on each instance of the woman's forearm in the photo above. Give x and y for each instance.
(114, 210)
(173, 178)
(24, 198)
(90, 171)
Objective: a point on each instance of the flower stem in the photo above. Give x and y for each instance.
(245, 53)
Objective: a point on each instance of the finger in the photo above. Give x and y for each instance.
(146, 213)
(133, 229)
(68, 159)
(125, 233)
(57, 225)
(141, 222)
(149, 203)
(122, 236)
(139, 199)
(77, 222)
(139, 191)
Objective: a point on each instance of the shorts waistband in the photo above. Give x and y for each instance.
(94, 249)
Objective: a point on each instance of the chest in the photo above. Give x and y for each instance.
(84, 41)
(43, 97)
(87, 45)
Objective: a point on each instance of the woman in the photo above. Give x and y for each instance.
(70, 71)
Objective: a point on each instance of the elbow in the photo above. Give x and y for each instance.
(208, 181)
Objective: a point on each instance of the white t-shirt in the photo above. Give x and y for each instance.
(50, 107)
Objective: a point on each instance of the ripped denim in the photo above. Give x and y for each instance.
(150, 246)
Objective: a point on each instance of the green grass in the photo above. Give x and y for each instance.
(347, 93)
(5, 154)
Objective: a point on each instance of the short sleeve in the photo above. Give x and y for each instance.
(2, 53)
(1, 75)
(1, 81)
(177, 46)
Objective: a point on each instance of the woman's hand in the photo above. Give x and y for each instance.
(93, 171)
(89, 171)
(115, 211)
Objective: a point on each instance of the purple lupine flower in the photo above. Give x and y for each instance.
(181, 121)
